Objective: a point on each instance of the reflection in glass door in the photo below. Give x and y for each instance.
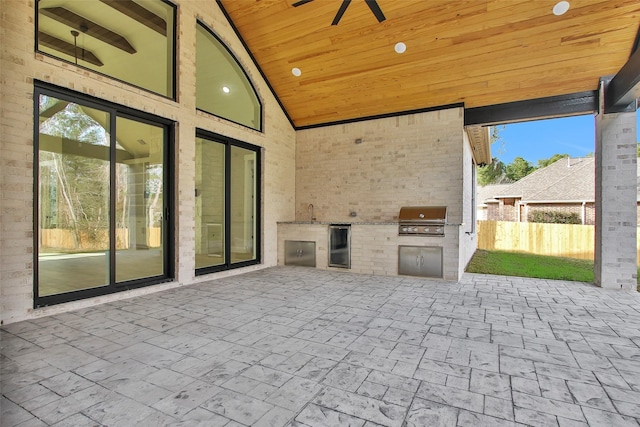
(139, 200)
(74, 186)
(101, 203)
(210, 203)
(243, 204)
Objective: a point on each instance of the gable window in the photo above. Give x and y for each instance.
(103, 198)
(227, 208)
(222, 86)
(127, 40)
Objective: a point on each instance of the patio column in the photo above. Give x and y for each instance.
(616, 197)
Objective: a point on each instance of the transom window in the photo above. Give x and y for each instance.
(127, 40)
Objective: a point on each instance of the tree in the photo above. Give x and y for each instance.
(81, 183)
(543, 163)
(518, 169)
(493, 173)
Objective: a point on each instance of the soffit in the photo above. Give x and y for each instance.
(479, 52)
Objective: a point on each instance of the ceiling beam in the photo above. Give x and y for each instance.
(53, 110)
(61, 145)
(88, 27)
(67, 48)
(624, 88)
(138, 13)
(533, 109)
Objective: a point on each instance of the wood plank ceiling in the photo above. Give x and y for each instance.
(476, 52)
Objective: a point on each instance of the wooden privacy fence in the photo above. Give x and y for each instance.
(566, 240)
(62, 239)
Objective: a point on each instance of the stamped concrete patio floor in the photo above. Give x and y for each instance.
(292, 346)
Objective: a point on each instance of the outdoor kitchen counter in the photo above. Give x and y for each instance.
(374, 244)
(394, 223)
(341, 222)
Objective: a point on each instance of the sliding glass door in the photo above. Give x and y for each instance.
(102, 200)
(227, 208)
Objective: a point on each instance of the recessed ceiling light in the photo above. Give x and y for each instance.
(296, 71)
(225, 89)
(561, 8)
(400, 47)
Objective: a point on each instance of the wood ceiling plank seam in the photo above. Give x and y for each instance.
(327, 63)
(462, 54)
(484, 23)
(515, 81)
(545, 30)
(586, 15)
(498, 74)
(396, 75)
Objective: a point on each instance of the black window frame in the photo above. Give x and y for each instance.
(174, 57)
(115, 110)
(229, 142)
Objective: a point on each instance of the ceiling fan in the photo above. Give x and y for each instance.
(373, 5)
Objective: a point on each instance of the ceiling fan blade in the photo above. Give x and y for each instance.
(343, 7)
(375, 8)
(301, 2)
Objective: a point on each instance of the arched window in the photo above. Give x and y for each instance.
(222, 86)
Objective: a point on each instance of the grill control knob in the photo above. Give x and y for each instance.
(426, 229)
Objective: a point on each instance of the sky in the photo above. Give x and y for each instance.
(542, 139)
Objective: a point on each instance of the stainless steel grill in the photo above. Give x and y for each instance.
(422, 220)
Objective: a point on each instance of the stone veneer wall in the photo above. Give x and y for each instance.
(21, 66)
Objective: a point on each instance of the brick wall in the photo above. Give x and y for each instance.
(417, 159)
(21, 65)
(409, 160)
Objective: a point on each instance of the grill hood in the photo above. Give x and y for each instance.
(423, 214)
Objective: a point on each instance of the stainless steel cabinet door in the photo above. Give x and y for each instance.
(300, 253)
(424, 261)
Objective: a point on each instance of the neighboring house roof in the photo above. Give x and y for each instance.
(567, 180)
(488, 192)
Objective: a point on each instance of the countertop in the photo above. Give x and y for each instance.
(340, 222)
(395, 223)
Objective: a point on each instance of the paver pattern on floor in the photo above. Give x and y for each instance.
(290, 346)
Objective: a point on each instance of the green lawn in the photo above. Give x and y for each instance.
(529, 265)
